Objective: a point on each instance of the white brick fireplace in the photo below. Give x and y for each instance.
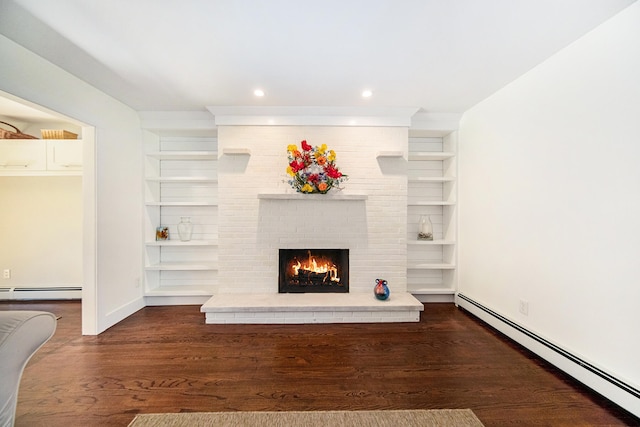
(259, 214)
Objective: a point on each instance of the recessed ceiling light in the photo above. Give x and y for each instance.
(367, 93)
(258, 92)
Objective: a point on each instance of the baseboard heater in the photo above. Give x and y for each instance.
(595, 378)
(41, 293)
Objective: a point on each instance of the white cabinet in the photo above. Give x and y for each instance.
(64, 155)
(181, 180)
(22, 155)
(432, 190)
(40, 157)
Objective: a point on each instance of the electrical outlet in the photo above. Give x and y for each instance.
(524, 307)
(6, 273)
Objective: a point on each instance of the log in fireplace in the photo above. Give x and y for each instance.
(313, 270)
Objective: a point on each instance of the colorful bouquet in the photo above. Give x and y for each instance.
(313, 169)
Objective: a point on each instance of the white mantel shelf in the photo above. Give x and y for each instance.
(299, 196)
(311, 308)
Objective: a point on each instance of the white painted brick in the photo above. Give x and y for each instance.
(222, 316)
(251, 230)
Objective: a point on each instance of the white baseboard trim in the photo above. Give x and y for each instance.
(175, 300)
(120, 313)
(41, 293)
(612, 388)
(435, 298)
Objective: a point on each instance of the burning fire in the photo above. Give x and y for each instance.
(312, 266)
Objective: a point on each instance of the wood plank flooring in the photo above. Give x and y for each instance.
(165, 359)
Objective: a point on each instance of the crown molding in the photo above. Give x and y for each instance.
(206, 122)
(313, 116)
(170, 123)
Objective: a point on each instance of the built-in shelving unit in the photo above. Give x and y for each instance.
(432, 172)
(180, 180)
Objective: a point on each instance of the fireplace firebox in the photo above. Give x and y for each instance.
(313, 271)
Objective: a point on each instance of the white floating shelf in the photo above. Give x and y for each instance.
(184, 155)
(429, 266)
(182, 179)
(181, 243)
(436, 179)
(326, 197)
(428, 155)
(181, 204)
(431, 242)
(391, 154)
(432, 203)
(236, 151)
(181, 266)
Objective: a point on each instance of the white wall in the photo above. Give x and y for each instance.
(550, 198)
(41, 229)
(116, 182)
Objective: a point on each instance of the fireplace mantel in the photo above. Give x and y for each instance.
(299, 196)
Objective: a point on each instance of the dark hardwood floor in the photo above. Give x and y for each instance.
(165, 359)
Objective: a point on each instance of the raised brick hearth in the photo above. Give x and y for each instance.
(311, 308)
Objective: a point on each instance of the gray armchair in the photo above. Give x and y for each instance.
(22, 333)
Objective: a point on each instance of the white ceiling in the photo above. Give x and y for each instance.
(16, 110)
(439, 55)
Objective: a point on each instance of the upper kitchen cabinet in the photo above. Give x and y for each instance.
(33, 157)
(59, 152)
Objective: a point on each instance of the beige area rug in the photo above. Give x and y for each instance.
(434, 417)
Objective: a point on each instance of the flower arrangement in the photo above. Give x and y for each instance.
(313, 169)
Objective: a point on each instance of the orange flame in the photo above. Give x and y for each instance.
(313, 266)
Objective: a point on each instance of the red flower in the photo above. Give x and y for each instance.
(305, 146)
(296, 165)
(314, 178)
(332, 172)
